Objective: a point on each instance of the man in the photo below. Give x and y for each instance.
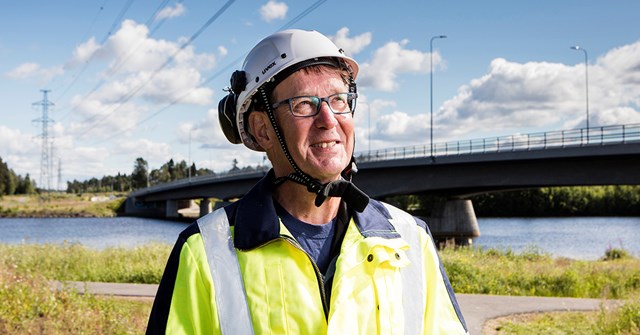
(310, 252)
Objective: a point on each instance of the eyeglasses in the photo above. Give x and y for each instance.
(309, 105)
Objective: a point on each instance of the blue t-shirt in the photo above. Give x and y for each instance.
(315, 239)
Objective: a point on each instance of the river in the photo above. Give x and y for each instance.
(577, 237)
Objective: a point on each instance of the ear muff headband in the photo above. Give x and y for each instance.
(227, 118)
(227, 107)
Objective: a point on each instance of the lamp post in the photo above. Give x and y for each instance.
(369, 132)
(586, 76)
(189, 166)
(431, 88)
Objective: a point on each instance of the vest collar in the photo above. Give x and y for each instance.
(256, 221)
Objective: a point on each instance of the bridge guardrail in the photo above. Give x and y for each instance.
(519, 142)
(192, 180)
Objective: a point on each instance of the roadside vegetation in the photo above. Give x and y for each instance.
(533, 273)
(615, 276)
(624, 320)
(30, 306)
(35, 308)
(58, 204)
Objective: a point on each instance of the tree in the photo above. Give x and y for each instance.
(139, 177)
(25, 185)
(4, 176)
(8, 179)
(171, 169)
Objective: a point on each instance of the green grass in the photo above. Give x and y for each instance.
(30, 306)
(61, 205)
(619, 321)
(532, 273)
(74, 262)
(35, 308)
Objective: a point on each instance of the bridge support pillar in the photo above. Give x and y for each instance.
(453, 223)
(205, 207)
(171, 209)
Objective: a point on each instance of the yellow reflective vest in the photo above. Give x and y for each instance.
(388, 278)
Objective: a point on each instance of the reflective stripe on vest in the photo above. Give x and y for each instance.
(233, 311)
(412, 276)
(231, 299)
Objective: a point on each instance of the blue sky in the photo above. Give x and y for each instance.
(142, 79)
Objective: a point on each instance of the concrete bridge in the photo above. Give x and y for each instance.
(456, 170)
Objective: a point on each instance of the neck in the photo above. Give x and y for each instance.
(299, 202)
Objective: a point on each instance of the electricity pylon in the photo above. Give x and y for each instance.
(45, 162)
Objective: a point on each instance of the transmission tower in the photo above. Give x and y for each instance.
(45, 158)
(59, 174)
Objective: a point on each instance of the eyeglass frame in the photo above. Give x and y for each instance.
(319, 106)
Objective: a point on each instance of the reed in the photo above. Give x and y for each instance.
(533, 273)
(622, 320)
(74, 262)
(30, 306)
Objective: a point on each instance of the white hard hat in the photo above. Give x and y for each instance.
(286, 49)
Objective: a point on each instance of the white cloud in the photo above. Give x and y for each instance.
(549, 96)
(151, 151)
(402, 127)
(25, 70)
(206, 135)
(138, 72)
(273, 10)
(222, 51)
(391, 60)
(510, 98)
(35, 71)
(84, 52)
(171, 12)
(351, 45)
(14, 141)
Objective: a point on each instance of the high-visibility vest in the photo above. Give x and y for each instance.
(388, 278)
(232, 308)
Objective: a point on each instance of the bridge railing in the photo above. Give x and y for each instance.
(195, 179)
(519, 142)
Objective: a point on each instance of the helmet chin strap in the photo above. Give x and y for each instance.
(342, 187)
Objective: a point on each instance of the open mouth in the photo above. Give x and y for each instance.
(324, 145)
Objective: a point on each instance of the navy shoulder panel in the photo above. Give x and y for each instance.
(160, 311)
(422, 224)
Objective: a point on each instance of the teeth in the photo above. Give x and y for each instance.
(325, 145)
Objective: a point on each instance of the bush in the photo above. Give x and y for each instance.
(612, 254)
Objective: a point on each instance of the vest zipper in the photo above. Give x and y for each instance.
(319, 277)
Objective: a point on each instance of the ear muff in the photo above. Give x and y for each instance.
(227, 107)
(227, 118)
(353, 88)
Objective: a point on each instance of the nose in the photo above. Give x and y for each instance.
(325, 118)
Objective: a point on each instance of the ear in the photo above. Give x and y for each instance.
(261, 130)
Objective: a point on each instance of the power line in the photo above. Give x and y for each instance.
(215, 75)
(117, 20)
(123, 60)
(75, 77)
(129, 96)
(115, 23)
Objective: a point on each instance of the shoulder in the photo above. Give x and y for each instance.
(400, 215)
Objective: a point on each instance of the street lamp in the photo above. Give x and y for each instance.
(189, 166)
(586, 76)
(431, 86)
